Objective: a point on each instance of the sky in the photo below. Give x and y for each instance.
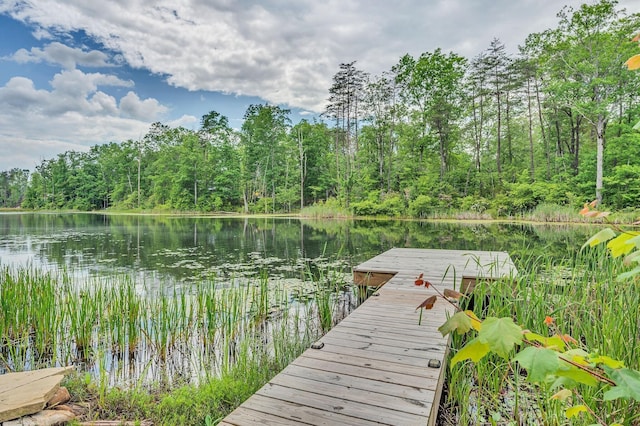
(77, 73)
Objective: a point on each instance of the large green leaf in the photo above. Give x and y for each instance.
(475, 350)
(621, 244)
(627, 384)
(459, 322)
(539, 362)
(601, 237)
(502, 334)
(573, 375)
(635, 240)
(575, 410)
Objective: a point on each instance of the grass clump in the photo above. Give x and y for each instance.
(584, 300)
(191, 404)
(329, 209)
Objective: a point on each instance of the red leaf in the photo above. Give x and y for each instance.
(419, 281)
(568, 339)
(427, 283)
(428, 304)
(585, 209)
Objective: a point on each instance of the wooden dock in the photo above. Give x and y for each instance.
(377, 366)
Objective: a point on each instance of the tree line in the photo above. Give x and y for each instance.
(500, 132)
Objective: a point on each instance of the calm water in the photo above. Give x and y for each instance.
(181, 250)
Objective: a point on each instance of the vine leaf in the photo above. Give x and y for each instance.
(622, 244)
(601, 237)
(553, 342)
(629, 274)
(608, 361)
(539, 362)
(633, 257)
(569, 375)
(475, 322)
(502, 334)
(562, 395)
(460, 322)
(475, 350)
(635, 240)
(575, 410)
(627, 384)
(633, 63)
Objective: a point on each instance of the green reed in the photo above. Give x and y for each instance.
(583, 296)
(135, 334)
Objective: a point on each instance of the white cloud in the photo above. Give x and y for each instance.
(73, 115)
(186, 121)
(148, 109)
(58, 53)
(285, 52)
(282, 51)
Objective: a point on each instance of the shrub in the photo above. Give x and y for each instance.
(366, 208)
(392, 206)
(421, 206)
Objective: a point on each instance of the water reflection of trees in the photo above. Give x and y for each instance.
(180, 247)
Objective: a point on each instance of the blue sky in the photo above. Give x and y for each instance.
(77, 73)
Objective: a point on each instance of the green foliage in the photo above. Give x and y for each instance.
(392, 205)
(421, 206)
(496, 135)
(501, 334)
(524, 197)
(559, 361)
(190, 405)
(621, 186)
(627, 384)
(540, 363)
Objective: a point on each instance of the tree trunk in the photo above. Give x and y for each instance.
(303, 167)
(531, 157)
(542, 131)
(600, 127)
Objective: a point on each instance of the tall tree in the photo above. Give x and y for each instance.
(433, 85)
(263, 131)
(344, 108)
(585, 54)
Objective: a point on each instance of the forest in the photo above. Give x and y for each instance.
(498, 133)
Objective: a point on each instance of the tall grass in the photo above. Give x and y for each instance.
(123, 333)
(587, 302)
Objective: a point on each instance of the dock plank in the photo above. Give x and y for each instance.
(373, 366)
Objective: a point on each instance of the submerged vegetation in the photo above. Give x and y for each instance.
(205, 341)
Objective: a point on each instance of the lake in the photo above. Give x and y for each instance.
(181, 250)
(174, 296)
